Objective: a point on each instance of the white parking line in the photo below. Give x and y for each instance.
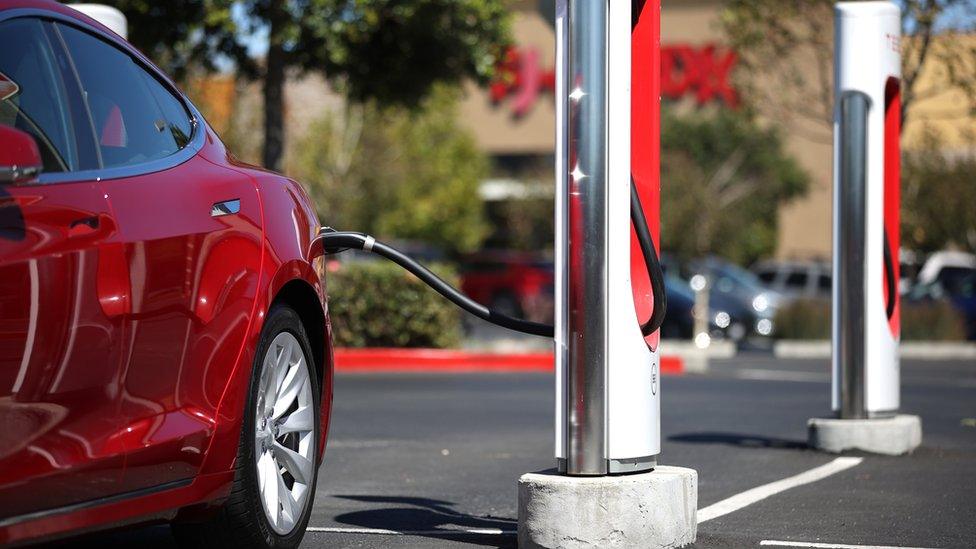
(715, 510)
(774, 543)
(760, 493)
(384, 532)
(780, 375)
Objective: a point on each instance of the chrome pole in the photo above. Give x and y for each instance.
(586, 449)
(854, 108)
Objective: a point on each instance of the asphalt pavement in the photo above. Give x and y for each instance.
(421, 460)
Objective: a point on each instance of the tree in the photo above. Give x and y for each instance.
(786, 49)
(397, 173)
(390, 51)
(723, 179)
(938, 200)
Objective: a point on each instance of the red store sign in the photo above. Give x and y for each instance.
(686, 71)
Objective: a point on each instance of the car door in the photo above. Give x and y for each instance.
(61, 322)
(192, 238)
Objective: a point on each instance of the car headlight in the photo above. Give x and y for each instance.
(760, 303)
(764, 326)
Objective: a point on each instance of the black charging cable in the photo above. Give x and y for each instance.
(334, 242)
(889, 269)
(651, 262)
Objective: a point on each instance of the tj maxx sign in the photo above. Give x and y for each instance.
(686, 71)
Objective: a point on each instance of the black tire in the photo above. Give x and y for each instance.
(241, 521)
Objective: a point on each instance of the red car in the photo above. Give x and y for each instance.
(513, 283)
(165, 349)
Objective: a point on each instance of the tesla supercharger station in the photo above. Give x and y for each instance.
(607, 397)
(607, 373)
(865, 317)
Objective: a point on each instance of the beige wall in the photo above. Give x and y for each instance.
(495, 128)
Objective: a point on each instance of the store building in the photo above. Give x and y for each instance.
(514, 121)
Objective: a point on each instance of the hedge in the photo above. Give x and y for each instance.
(920, 321)
(378, 304)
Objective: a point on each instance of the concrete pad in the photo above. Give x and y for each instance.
(649, 510)
(892, 436)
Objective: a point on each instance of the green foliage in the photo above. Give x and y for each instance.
(723, 178)
(397, 173)
(932, 321)
(923, 321)
(803, 319)
(388, 50)
(938, 201)
(378, 304)
(180, 34)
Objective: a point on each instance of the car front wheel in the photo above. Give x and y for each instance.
(276, 466)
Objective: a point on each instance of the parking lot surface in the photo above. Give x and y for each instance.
(420, 460)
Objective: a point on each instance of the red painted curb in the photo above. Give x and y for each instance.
(456, 361)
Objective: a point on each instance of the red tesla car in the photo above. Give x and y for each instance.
(165, 349)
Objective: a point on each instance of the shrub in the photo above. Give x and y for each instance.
(378, 304)
(932, 321)
(920, 321)
(804, 319)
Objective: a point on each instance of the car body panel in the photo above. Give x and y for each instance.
(193, 282)
(59, 359)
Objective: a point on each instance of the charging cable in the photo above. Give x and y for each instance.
(334, 242)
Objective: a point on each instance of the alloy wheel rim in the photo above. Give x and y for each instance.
(284, 433)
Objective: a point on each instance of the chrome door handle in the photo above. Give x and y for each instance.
(227, 207)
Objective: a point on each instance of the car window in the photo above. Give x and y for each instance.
(823, 282)
(177, 119)
(34, 97)
(130, 119)
(796, 280)
(767, 276)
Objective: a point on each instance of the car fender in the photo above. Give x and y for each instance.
(287, 258)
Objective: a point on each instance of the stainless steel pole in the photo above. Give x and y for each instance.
(587, 250)
(853, 190)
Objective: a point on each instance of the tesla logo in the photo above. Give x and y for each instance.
(702, 73)
(893, 41)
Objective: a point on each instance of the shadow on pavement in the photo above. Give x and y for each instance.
(739, 439)
(424, 515)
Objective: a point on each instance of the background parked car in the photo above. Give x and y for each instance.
(741, 306)
(796, 279)
(956, 285)
(727, 318)
(517, 284)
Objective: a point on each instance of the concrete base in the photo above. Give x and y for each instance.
(645, 510)
(892, 436)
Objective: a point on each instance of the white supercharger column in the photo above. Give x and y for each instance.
(607, 397)
(609, 490)
(865, 325)
(868, 68)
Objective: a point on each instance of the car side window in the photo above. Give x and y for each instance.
(824, 282)
(134, 121)
(767, 276)
(34, 97)
(796, 279)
